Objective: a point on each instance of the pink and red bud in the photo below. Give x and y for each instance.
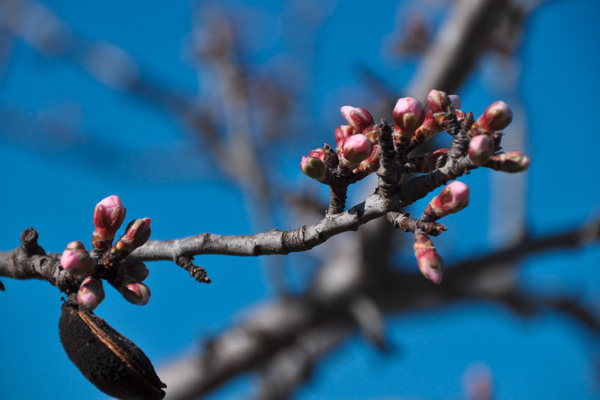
(90, 293)
(512, 162)
(371, 164)
(356, 148)
(137, 233)
(453, 198)
(76, 259)
(341, 133)
(313, 167)
(317, 153)
(135, 292)
(108, 218)
(496, 117)
(440, 103)
(481, 148)
(429, 261)
(428, 128)
(408, 115)
(358, 118)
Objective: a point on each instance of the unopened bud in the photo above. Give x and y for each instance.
(358, 118)
(429, 128)
(439, 102)
(429, 261)
(481, 148)
(341, 133)
(135, 292)
(455, 100)
(136, 269)
(90, 293)
(317, 153)
(371, 164)
(108, 218)
(408, 115)
(136, 234)
(355, 149)
(511, 162)
(496, 117)
(313, 168)
(453, 198)
(76, 259)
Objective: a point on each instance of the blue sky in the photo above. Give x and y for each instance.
(127, 147)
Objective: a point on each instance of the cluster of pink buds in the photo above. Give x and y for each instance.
(356, 152)
(109, 260)
(356, 142)
(363, 148)
(414, 124)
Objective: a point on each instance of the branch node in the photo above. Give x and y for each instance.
(196, 272)
(29, 243)
(407, 224)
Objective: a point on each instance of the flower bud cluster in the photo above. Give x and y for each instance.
(107, 260)
(360, 151)
(414, 123)
(357, 148)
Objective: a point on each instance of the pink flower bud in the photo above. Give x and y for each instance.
(136, 234)
(135, 292)
(317, 153)
(371, 164)
(429, 261)
(313, 168)
(512, 162)
(355, 149)
(108, 217)
(408, 115)
(455, 100)
(439, 102)
(90, 293)
(481, 148)
(460, 114)
(358, 118)
(429, 128)
(137, 270)
(76, 259)
(341, 133)
(75, 245)
(453, 198)
(496, 117)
